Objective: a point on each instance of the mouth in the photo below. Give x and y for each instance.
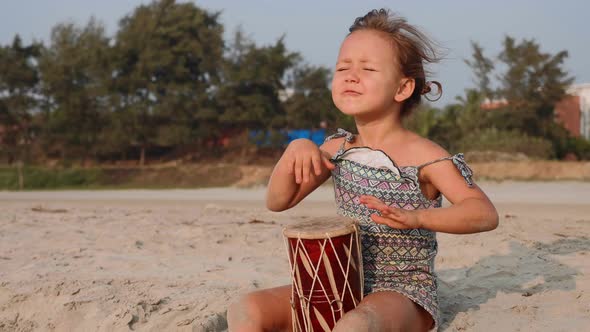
(351, 93)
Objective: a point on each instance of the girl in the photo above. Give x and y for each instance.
(386, 177)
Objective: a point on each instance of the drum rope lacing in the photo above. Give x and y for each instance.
(305, 259)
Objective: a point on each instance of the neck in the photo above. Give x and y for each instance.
(374, 132)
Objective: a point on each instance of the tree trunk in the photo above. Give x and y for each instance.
(142, 156)
(21, 180)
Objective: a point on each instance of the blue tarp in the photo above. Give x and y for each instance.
(284, 137)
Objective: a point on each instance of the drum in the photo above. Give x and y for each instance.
(326, 271)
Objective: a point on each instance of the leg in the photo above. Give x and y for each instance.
(264, 310)
(386, 311)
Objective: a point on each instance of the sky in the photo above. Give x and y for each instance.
(315, 29)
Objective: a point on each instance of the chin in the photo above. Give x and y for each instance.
(351, 110)
(354, 113)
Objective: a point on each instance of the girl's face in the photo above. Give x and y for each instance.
(366, 78)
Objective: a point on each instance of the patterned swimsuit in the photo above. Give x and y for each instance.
(393, 259)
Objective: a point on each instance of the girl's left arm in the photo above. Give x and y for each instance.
(471, 210)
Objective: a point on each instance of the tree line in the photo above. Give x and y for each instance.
(167, 83)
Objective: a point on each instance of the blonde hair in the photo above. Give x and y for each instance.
(413, 47)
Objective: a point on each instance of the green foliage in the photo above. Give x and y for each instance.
(310, 103)
(167, 82)
(482, 67)
(75, 68)
(529, 85)
(492, 139)
(448, 126)
(37, 178)
(252, 79)
(43, 178)
(423, 120)
(168, 57)
(534, 80)
(19, 81)
(578, 146)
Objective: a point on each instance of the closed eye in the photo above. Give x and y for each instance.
(341, 69)
(369, 69)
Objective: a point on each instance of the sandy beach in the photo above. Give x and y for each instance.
(172, 260)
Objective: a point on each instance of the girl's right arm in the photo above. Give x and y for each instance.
(302, 168)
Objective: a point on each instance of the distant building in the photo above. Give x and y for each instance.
(491, 104)
(573, 111)
(567, 112)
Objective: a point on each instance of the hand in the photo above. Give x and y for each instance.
(302, 155)
(392, 217)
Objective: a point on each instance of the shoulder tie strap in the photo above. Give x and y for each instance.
(348, 137)
(460, 163)
(341, 133)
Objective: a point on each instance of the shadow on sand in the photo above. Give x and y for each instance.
(461, 289)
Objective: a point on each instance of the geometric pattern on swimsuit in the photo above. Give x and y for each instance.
(393, 259)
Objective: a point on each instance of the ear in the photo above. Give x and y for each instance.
(405, 89)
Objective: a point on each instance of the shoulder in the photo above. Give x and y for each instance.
(426, 150)
(332, 145)
(333, 142)
(437, 166)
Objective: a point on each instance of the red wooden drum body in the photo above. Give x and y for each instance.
(326, 271)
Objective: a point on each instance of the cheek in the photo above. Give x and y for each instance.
(334, 98)
(335, 87)
(385, 91)
(377, 89)
(336, 80)
(337, 100)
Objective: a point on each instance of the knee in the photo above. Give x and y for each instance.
(361, 319)
(244, 314)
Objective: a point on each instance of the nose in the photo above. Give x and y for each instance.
(351, 76)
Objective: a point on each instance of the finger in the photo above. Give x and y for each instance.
(380, 208)
(378, 205)
(329, 165)
(317, 164)
(390, 213)
(381, 220)
(306, 169)
(398, 213)
(393, 217)
(374, 203)
(290, 166)
(370, 199)
(388, 222)
(298, 169)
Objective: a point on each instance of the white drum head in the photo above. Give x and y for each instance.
(320, 228)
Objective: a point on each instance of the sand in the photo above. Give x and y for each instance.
(172, 260)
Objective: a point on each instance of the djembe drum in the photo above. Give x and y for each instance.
(326, 271)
